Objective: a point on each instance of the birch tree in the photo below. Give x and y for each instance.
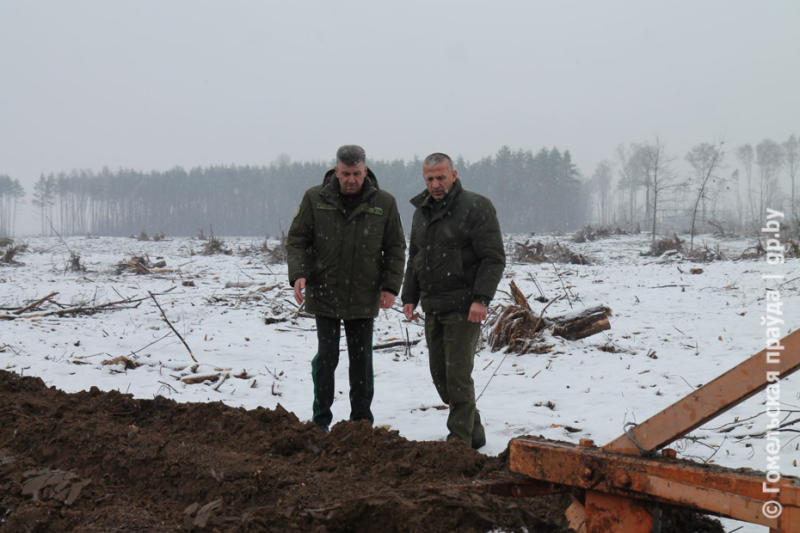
(705, 159)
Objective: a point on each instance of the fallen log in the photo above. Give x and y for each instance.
(395, 344)
(580, 324)
(193, 380)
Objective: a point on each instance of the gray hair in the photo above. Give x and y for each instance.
(437, 158)
(350, 155)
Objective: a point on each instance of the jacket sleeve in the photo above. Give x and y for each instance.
(487, 241)
(394, 252)
(299, 240)
(411, 291)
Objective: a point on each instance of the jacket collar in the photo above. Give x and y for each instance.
(330, 189)
(425, 200)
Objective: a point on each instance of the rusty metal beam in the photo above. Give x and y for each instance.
(710, 489)
(711, 400)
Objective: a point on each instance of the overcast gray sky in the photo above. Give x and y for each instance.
(154, 84)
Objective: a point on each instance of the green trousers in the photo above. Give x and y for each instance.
(452, 340)
(323, 367)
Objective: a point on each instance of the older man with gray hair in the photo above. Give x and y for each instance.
(346, 252)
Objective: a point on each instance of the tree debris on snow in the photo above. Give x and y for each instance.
(215, 246)
(126, 363)
(23, 312)
(175, 331)
(11, 251)
(516, 326)
(588, 233)
(276, 254)
(706, 254)
(664, 244)
(193, 380)
(141, 265)
(553, 252)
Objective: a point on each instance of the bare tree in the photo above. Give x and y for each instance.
(738, 218)
(746, 155)
(601, 185)
(792, 161)
(705, 159)
(44, 194)
(630, 176)
(656, 167)
(769, 159)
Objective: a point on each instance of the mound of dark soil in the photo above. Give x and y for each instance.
(101, 462)
(95, 461)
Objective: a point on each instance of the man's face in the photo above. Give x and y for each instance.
(439, 179)
(351, 178)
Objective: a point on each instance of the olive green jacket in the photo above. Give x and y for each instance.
(456, 254)
(347, 260)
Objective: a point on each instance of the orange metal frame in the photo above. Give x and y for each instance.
(620, 489)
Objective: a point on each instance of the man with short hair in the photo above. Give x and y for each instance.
(455, 262)
(346, 249)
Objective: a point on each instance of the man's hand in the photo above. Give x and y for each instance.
(477, 312)
(299, 285)
(387, 300)
(408, 310)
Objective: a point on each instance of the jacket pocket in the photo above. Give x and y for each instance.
(447, 268)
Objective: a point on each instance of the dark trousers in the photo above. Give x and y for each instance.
(452, 340)
(323, 367)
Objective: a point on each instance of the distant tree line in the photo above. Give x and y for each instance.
(11, 193)
(719, 188)
(532, 192)
(644, 186)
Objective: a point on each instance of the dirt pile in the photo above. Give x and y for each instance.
(95, 461)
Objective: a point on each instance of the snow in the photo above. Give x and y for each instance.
(693, 326)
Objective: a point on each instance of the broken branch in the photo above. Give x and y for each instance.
(164, 315)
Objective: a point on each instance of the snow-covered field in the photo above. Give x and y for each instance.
(673, 331)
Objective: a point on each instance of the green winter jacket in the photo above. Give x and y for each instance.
(347, 260)
(456, 253)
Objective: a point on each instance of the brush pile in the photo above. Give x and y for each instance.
(588, 233)
(518, 329)
(659, 246)
(140, 265)
(552, 252)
